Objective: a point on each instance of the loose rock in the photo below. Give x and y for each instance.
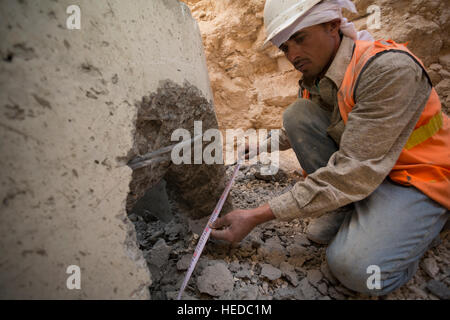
(245, 274)
(439, 289)
(215, 280)
(296, 250)
(308, 291)
(159, 254)
(314, 276)
(183, 263)
(270, 272)
(289, 272)
(419, 292)
(247, 292)
(430, 266)
(273, 252)
(323, 288)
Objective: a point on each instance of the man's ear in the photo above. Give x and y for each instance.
(333, 26)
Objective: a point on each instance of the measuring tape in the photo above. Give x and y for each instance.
(207, 230)
(215, 214)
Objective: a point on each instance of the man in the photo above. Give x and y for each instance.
(369, 132)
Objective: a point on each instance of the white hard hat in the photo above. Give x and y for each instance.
(280, 14)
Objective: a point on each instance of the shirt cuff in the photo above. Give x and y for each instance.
(285, 207)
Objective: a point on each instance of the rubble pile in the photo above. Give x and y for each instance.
(275, 261)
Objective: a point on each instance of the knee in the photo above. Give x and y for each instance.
(345, 268)
(355, 272)
(296, 114)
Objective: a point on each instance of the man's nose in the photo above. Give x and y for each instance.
(293, 53)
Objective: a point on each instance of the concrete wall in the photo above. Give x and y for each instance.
(67, 105)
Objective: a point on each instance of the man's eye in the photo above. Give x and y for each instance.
(284, 49)
(299, 40)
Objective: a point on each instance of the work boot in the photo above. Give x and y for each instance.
(323, 229)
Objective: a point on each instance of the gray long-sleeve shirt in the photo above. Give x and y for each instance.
(390, 97)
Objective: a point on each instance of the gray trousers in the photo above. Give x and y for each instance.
(389, 231)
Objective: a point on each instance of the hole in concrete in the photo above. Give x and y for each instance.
(164, 197)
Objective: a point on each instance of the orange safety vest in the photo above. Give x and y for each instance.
(425, 159)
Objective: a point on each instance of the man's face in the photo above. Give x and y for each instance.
(312, 49)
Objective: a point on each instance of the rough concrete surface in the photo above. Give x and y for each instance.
(68, 102)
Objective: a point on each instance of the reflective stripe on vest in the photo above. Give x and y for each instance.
(425, 160)
(426, 131)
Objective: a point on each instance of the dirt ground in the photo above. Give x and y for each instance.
(275, 261)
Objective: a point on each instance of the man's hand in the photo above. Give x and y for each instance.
(237, 224)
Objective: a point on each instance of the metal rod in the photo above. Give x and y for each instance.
(161, 151)
(148, 162)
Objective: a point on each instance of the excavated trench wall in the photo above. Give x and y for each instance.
(70, 102)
